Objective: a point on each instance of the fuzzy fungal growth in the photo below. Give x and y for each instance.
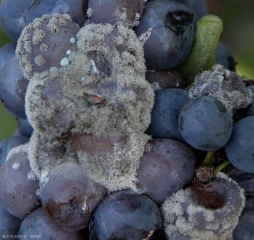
(43, 43)
(44, 156)
(223, 84)
(112, 161)
(204, 211)
(99, 91)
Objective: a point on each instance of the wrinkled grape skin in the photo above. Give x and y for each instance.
(125, 215)
(205, 123)
(239, 149)
(37, 223)
(9, 225)
(7, 52)
(17, 192)
(164, 118)
(13, 87)
(170, 40)
(70, 208)
(10, 143)
(110, 11)
(161, 168)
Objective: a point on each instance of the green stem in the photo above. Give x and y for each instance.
(202, 55)
(209, 159)
(221, 166)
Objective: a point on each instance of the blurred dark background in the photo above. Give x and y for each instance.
(238, 35)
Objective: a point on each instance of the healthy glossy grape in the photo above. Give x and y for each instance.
(205, 123)
(239, 149)
(24, 127)
(224, 57)
(166, 110)
(125, 215)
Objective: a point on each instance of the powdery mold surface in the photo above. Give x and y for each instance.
(183, 215)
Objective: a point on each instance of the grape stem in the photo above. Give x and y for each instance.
(208, 160)
(202, 55)
(221, 166)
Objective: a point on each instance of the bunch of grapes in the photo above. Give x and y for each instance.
(132, 123)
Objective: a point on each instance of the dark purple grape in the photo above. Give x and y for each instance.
(205, 123)
(15, 15)
(9, 225)
(125, 215)
(244, 180)
(167, 107)
(204, 211)
(7, 52)
(171, 36)
(165, 79)
(224, 57)
(38, 224)
(69, 197)
(8, 144)
(162, 166)
(17, 191)
(113, 11)
(47, 42)
(24, 127)
(239, 149)
(13, 87)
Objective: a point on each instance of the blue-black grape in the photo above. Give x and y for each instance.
(13, 87)
(17, 191)
(162, 166)
(125, 215)
(38, 224)
(239, 149)
(172, 33)
(8, 144)
(69, 197)
(205, 123)
(7, 52)
(164, 118)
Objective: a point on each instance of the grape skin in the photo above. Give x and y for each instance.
(239, 149)
(205, 123)
(162, 167)
(125, 215)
